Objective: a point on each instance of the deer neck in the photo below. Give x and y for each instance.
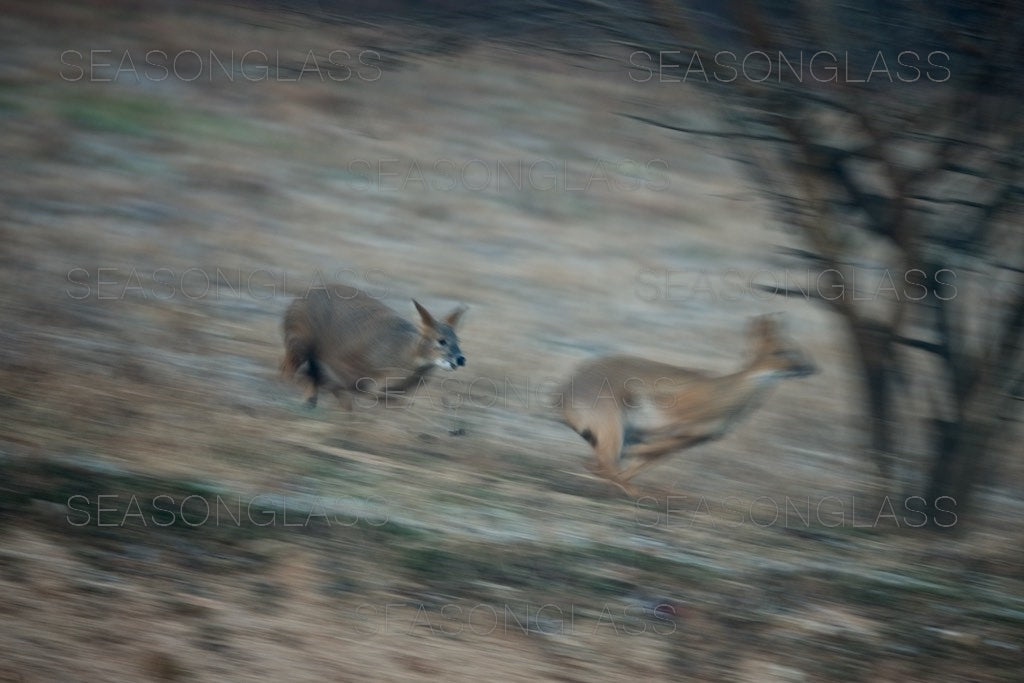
(749, 385)
(420, 352)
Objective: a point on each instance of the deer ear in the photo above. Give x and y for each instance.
(455, 316)
(426, 320)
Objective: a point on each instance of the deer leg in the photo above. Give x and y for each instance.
(314, 378)
(291, 363)
(646, 454)
(611, 475)
(605, 436)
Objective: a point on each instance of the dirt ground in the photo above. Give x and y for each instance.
(169, 510)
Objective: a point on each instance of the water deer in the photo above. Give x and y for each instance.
(347, 341)
(625, 406)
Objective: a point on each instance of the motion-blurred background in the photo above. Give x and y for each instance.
(588, 177)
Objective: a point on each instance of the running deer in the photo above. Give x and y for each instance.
(347, 341)
(625, 406)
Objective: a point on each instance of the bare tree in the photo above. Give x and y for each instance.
(915, 175)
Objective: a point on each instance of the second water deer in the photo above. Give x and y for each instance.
(625, 406)
(347, 341)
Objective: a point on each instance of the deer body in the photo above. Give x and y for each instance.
(625, 406)
(348, 341)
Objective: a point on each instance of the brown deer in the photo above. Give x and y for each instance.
(347, 341)
(629, 406)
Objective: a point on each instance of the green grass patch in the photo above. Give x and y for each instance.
(154, 117)
(116, 114)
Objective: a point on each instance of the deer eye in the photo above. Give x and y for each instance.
(442, 342)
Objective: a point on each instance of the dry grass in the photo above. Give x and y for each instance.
(152, 385)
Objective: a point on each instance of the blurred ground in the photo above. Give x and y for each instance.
(169, 509)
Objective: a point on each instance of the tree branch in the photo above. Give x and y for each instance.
(705, 133)
(930, 347)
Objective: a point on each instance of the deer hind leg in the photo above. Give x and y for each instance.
(298, 355)
(605, 435)
(293, 359)
(314, 380)
(646, 454)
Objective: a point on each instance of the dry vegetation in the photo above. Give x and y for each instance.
(123, 373)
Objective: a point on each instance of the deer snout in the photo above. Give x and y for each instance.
(461, 360)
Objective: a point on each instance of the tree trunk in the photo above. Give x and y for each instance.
(961, 455)
(877, 360)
